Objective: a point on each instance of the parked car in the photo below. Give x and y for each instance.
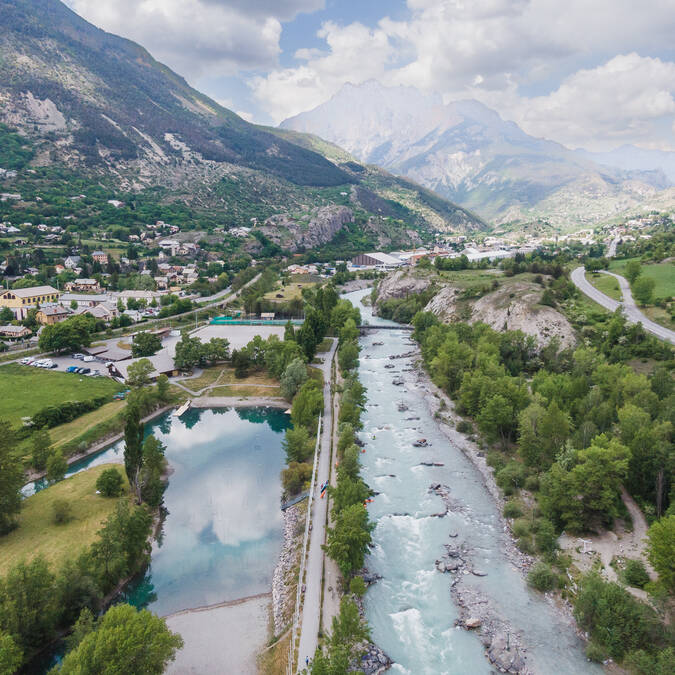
(94, 373)
(77, 356)
(27, 361)
(54, 365)
(89, 358)
(71, 369)
(85, 371)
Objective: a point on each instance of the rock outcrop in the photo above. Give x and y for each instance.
(321, 226)
(515, 307)
(401, 284)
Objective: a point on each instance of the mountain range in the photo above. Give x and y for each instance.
(102, 106)
(466, 152)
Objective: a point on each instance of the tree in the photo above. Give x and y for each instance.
(133, 447)
(348, 541)
(163, 388)
(295, 476)
(643, 290)
(298, 444)
(41, 445)
(124, 641)
(6, 315)
(293, 378)
(348, 356)
(28, 604)
(661, 549)
(57, 465)
(138, 373)
(11, 656)
(11, 479)
(145, 344)
(70, 335)
(633, 270)
(216, 349)
(189, 352)
(110, 483)
(496, 418)
(307, 405)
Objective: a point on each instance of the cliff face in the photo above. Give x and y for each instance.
(317, 227)
(513, 305)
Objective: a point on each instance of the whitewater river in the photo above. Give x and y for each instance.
(410, 610)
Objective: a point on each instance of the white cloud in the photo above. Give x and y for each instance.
(494, 50)
(200, 37)
(355, 53)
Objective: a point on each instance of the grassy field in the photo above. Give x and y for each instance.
(245, 391)
(292, 289)
(37, 534)
(605, 284)
(224, 375)
(24, 390)
(662, 273)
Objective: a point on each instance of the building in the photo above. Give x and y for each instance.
(20, 300)
(72, 261)
(100, 257)
(15, 332)
(376, 259)
(51, 314)
(104, 311)
(84, 300)
(83, 286)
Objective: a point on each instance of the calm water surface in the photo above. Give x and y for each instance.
(221, 537)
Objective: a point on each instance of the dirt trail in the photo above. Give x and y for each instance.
(619, 543)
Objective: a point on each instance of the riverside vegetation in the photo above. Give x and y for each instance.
(565, 431)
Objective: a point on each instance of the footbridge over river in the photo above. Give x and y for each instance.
(366, 326)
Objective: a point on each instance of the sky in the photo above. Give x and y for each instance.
(586, 73)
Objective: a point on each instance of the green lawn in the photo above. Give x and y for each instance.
(662, 273)
(24, 390)
(606, 284)
(37, 533)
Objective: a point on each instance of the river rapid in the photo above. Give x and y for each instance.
(411, 610)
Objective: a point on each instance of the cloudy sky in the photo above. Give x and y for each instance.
(592, 73)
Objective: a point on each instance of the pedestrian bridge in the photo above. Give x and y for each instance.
(399, 327)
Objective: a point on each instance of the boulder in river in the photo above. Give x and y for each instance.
(505, 653)
(473, 622)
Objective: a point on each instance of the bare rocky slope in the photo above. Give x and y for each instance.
(513, 305)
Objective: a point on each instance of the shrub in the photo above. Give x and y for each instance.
(109, 483)
(635, 574)
(511, 477)
(542, 577)
(56, 466)
(521, 528)
(357, 586)
(464, 427)
(495, 460)
(595, 652)
(546, 538)
(532, 483)
(512, 510)
(62, 512)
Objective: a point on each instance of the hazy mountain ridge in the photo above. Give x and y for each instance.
(101, 104)
(466, 152)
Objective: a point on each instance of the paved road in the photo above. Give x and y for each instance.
(629, 308)
(311, 612)
(611, 250)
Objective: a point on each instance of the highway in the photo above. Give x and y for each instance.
(629, 308)
(311, 611)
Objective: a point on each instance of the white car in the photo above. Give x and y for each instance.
(47, 363)
(88, 359)
(27, 361)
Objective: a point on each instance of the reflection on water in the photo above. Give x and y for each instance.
(222, 534)
(411, 611)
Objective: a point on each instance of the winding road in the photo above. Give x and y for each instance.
(629, 308)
